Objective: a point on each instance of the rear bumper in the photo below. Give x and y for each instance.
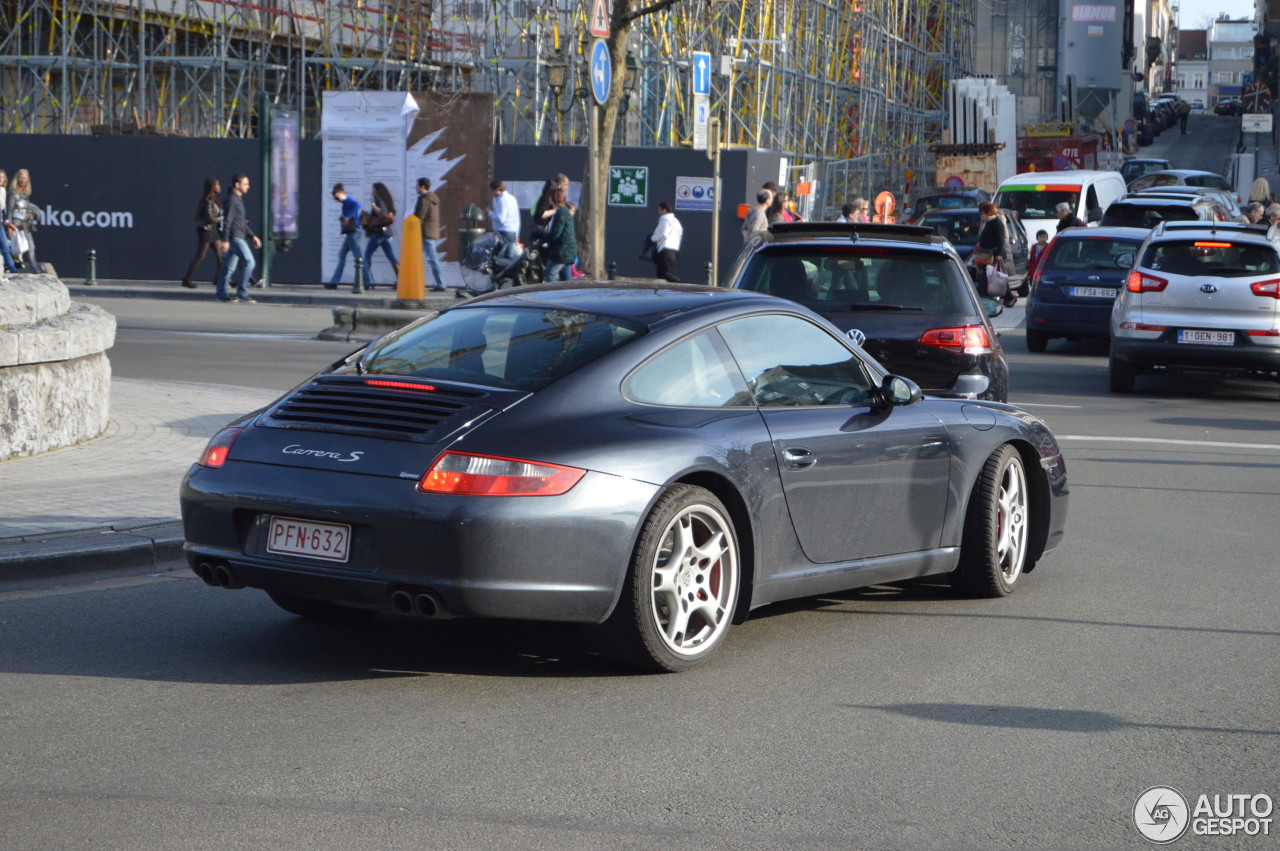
(1242, 357)
(558, 558)
(1085, 320)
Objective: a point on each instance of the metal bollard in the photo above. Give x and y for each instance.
(358, 285)
(612, 270)
(91, 279)
(710, 282)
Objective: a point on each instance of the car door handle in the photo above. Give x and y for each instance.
(798, 459)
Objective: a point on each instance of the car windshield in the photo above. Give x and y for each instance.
(1215, 257)
(1033, 202)
(1133, 215)
(957, 228)
(1093, 254)
(849, 277)
(524, 348)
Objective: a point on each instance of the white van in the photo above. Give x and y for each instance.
(1034, 196)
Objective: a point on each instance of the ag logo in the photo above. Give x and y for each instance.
(1161, 814)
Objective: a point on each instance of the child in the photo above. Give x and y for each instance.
(1037, 252)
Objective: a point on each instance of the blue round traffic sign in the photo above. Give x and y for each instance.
(601, 70)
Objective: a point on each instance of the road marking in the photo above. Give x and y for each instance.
(1170, 441)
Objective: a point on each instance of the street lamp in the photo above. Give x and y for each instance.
(631, 81)
(557, 77)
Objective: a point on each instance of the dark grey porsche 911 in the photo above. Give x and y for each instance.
(658, 461)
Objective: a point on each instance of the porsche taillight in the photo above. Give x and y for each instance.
(466, 474)
(219, 448)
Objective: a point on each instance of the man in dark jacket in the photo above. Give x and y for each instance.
(428, 212)
(1066, 218)
(235, 236)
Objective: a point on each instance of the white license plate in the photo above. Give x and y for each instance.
(328, 541)
(1091, 292)
(1207, 338)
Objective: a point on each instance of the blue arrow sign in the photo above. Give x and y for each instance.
(701, 73)
(601, 70)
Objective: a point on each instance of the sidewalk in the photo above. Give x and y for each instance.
(110, 505)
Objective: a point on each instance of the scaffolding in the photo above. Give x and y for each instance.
(857, 81)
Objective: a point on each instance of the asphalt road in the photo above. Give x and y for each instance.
(159, 713)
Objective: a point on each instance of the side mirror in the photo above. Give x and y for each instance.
(897, 390)
(991, 306)
(1124, 261)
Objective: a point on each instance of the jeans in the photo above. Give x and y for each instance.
(349, 246)
(433, 260)
(238, 253)
(559, 272)
(508, 249)
(7, 251)
(380, 239)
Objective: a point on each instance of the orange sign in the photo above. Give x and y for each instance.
(885, 205)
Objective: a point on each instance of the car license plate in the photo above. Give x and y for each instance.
(328, 541)
(1091, 292)
(1207, 338)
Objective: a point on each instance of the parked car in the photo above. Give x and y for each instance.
(1197, 104)
(900, 291)
(1180, 177)
(1147, 211)
(1225, 199)
(1076, 283)
(1135, 167)
(1229, 106)
(945, 199)
(629, 457)
(961, 227)
(1200, 298)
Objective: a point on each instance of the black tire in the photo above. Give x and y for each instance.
(997, 525)
(678, 600)
(1121, 375)
(1036, 340)
(319, 610)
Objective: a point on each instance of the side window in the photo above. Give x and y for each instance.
(693, 373)
(789, 362)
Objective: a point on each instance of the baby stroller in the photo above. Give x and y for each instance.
(484, 270)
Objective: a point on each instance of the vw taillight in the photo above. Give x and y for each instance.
(969, 339)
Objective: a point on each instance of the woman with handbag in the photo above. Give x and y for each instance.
(562, 241)
(990, 251)
(208, 221)
(377, 227)
(20, 220)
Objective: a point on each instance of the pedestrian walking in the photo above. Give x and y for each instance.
(428, 212)
(861, 210)
(1254, 212)
(348, 227)
(1260, 191)
(235, 237)
(1066, 218)
(1183, 109)
(504, 217)
(5, 250)
(20, 219)
(562, 241)
(757, 218)
(666, 242)
(208, 221)
(377, 227)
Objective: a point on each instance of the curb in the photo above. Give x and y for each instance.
(50, 559)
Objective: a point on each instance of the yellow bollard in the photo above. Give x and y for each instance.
(410, 285)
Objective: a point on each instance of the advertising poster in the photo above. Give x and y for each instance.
(284, 173)
(365, 136)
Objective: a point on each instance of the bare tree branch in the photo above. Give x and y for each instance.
(647, 10)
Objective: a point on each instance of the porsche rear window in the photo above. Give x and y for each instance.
(1219, 258)
(1132, 214)
(524, 348)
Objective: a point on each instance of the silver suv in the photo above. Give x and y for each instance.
(1201, 297)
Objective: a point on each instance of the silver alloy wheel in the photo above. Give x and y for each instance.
(1011, 521)
(695, 579)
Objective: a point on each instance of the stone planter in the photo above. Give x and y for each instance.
(55, 378)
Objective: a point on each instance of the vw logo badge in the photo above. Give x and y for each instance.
(856, 335)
